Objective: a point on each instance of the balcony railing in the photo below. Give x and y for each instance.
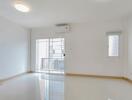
(52, 64)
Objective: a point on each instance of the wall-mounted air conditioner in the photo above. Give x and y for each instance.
(62, 28)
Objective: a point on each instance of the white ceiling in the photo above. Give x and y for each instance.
(49, 12)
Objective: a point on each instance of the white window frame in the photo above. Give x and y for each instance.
(114, 33)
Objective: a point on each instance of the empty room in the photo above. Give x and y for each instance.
(65, 49)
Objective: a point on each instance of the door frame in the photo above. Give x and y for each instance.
(49, 48)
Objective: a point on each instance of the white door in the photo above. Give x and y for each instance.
(50, 55)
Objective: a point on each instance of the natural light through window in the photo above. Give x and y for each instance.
(113, 45)
(50, 54)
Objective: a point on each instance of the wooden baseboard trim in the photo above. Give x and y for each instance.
(72, 74)
(95, 76)
(13, 77)
(100, 76)
(127, 79)
(30, 72)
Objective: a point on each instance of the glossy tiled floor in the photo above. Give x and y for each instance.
(58, 87)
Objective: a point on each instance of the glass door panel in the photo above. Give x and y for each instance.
(50, 55)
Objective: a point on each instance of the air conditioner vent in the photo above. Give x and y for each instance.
(62, 28)
(62, 24)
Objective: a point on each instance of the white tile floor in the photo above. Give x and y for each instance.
(58, 87)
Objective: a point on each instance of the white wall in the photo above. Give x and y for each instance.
(14, 44)
(128, 25)
(86, 48)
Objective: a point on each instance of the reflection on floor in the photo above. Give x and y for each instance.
(51, 87)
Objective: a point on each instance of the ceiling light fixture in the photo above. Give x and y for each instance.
(20, 6)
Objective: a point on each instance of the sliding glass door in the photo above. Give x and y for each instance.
(50, 55)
